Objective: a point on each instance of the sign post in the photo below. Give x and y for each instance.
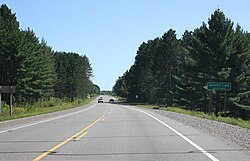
(11, 95)
(210, 102)
(0, 100)
(225, 103)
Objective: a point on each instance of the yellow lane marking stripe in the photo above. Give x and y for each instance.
(66, 141)
(85, 133)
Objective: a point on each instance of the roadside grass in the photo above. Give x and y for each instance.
(234, 121)
(40, 107)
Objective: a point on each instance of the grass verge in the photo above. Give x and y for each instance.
(234, 121)
(40, 107)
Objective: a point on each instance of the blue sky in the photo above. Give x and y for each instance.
(109, 32)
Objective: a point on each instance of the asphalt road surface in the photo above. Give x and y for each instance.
(108, 131)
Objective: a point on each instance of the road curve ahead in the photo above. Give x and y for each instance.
(108, 131)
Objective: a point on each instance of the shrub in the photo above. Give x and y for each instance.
(19, 110)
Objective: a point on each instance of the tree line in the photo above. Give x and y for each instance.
(171, 71)
(35, 69)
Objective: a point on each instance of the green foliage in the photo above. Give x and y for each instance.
(9, 33)
(38, 72)
(73, 76)
(24, 61)
(121, 87)
(40, 107)
(106, 92)
(53, 101)
(95, 89)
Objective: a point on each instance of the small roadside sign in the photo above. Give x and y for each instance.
(7, 89)
(219, 86)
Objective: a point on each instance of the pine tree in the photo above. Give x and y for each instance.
(36, 75)
(73, 75)
(9, 34)
(166, 67)
(185, 89)
(210, 48)
(239, 62)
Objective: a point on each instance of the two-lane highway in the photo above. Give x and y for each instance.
(107, 131)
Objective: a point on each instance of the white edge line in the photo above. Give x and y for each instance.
(178, 133)
(40, 122)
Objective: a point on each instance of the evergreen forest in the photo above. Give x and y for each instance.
(38, 72)
(173, 72)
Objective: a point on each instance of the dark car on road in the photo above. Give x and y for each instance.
(111, 100)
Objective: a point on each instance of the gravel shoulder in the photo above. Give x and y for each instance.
(233, 134)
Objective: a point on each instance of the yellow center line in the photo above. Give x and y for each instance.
(85, 133)
(67, 140)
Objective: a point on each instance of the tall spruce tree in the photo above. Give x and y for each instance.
(239, 62)
(218, 39)
(185, 90)
(210, 48)
(166, 66)
(36, 74)
(9, 41)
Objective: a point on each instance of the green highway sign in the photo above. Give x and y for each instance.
(219, 86)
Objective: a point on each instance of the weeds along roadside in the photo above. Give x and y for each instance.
(22, 110)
